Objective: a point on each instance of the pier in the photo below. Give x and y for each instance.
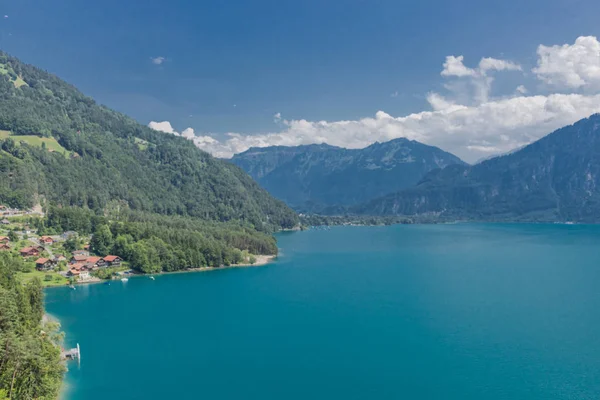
(72, 354)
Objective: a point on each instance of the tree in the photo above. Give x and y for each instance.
(102, 241)
(71, 244)
(12, 236)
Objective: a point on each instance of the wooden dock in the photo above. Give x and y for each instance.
(72, 354)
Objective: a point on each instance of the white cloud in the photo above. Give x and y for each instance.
(468, 132)
(395, 94)
(157, 60)
(494, 64)
(164, 126)
(570, 66)
(467, 121)
(454, 67)
(478, 79)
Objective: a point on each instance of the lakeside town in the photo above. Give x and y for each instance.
(60, 259)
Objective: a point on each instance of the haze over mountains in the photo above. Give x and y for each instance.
(553, 179)
(324, 178)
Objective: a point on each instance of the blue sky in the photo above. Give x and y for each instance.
(221, 67)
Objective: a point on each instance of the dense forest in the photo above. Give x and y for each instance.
(154, 243)
(108, 156)
(30, 366)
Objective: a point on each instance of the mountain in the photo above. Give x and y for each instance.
(323, 177)
(59, 145)
(556, 178)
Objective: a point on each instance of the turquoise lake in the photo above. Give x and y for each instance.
(452, 312)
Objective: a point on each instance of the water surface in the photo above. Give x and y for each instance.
(402, 312)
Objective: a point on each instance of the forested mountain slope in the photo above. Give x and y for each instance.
(556, 178)
(112, 157)
(319, 177)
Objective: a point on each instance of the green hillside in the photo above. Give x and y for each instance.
(112, 159)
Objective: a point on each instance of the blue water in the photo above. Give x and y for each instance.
(402, 312)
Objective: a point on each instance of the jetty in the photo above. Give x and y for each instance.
(72, 354)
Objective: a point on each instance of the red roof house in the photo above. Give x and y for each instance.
(31, 251)
(47, 240)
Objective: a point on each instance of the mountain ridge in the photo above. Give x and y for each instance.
(555, 178)
(319, 177)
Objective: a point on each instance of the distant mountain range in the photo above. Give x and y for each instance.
(327, 179)
(556, 178)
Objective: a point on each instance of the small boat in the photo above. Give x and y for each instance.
(152, 278)
(107, 283)
(72, 287)
(124, 279)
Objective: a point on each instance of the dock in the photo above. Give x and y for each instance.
(72, 354)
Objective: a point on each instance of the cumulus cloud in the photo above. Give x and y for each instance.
(479, 82)
(470, 128)
(469, 132)
(164, 126)
(157, 60)
(570, 66)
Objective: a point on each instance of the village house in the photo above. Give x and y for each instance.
(47, 240)
(4, 239)
(74, 272)
(5, 222)
(31, 251)
(96, 262)
(4, 247)
(44, 264)
(113, 261)
(78, 259)
(84, 275)
(86, 247)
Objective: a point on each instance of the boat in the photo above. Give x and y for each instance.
(72, 287)
(152, 278)
(124, 279)
(107, 283)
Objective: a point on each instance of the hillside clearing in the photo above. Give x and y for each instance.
(51, 143)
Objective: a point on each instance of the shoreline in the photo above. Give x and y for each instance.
(261, 260)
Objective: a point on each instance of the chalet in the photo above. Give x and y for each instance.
(74, 272)
(113, 261)
(80, 253)
(31, 251)
(78, 259)
(44, 264)
(4, 246)
(47, 240)
(5, 222)
(96, 262)
(4, 239)
(86, 247)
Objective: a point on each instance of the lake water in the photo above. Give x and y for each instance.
(402, 312)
